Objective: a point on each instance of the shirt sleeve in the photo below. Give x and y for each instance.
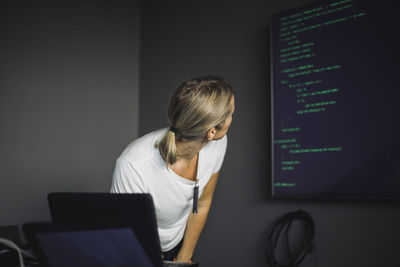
(223, 143)
(126, 178)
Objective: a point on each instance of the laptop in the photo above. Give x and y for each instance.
(134, 211)
(81, 246)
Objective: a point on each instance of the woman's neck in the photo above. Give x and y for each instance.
(188, 159)
(187, 151)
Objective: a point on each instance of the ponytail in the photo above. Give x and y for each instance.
(167, 147)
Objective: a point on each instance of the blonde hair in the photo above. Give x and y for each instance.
(195, 107)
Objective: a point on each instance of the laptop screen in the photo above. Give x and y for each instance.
(104, 247)
(107, 210)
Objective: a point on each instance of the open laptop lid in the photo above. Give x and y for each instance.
(97, 210)
(65, 246)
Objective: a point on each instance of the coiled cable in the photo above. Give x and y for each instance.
(280, 231)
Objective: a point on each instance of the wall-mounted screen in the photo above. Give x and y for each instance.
(336, 100)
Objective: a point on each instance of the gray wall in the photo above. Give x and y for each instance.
(69, 88)
(181, 39)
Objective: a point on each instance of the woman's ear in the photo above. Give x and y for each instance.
(211, 133)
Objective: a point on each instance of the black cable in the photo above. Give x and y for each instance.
(284, 223)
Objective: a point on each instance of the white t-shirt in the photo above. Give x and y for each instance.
(141, 169)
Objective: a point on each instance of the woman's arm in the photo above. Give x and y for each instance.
(197, 221)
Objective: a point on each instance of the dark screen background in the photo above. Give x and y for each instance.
(335, 98)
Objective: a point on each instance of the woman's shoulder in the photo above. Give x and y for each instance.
(143, 148)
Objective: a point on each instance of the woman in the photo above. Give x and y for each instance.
(179, 165)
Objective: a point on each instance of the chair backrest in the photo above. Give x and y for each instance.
(11, 232)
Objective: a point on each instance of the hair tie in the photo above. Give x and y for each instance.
(172, 129)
